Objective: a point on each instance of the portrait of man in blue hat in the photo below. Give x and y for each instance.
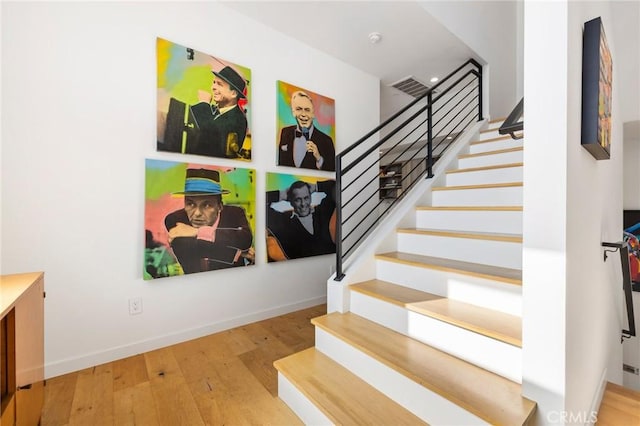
(206, 235)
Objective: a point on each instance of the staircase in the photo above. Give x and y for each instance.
(435, 337)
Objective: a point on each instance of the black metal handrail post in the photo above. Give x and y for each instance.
(626, 285)
(429, 136)
(480, 117)
(339, 273)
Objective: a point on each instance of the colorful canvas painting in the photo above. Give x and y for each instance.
(604, 94)
(203, 103)
(305, 128)
(197, 218)
(597, 71)
(300, 216)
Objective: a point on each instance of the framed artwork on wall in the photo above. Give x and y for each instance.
(197, 218)
(597, 70)
(300, 216)
(306, 128)
(203, 103)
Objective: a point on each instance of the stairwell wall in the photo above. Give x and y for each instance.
(595, 309)
(572, 299)
(545, 210)
(482, 26)
(79, 118)
(631, 165)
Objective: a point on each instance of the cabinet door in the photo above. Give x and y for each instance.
(29, 337)
(413, 169)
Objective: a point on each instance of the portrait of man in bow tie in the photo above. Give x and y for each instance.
(303, 144)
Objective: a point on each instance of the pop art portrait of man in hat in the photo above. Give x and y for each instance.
(203, 231)
(202, 104)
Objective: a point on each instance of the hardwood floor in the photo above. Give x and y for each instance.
(619, 406)
(226, 378)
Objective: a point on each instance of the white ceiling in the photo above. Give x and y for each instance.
(413, 42)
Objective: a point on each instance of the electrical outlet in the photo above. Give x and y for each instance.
(135, 306)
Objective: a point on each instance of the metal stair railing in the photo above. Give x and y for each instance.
(412, 138)
(514, 122)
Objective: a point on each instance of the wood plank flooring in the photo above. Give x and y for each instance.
(619, 406)
(226, 378)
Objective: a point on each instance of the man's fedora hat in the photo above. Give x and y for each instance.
(234, 79)
(202, 182)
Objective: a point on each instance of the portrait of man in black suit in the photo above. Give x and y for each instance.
(301, 220)
(304, 145)
(203, 104)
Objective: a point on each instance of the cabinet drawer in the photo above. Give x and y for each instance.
(29, 403)
(8, 416)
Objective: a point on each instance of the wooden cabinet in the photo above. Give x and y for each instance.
(397, 177)
(391, 181)
(22, 348)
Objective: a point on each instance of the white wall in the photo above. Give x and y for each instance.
(627, 30)
(572, 298)
(1, 44)
(79, 108)
(490, 28)
(545, 213)
(631, 191)
(594, 206)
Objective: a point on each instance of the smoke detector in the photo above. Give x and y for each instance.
(375, 37)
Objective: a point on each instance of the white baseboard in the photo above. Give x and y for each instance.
(597, 398)
(69, 365)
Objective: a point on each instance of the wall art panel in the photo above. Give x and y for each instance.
(306, 128)
(197, 218)
(203, 103)
(300, 216)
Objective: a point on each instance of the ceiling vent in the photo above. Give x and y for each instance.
(411, 86)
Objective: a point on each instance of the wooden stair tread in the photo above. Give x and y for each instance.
(497, 325)
(478, 169)
(472, 208)
(505, 275)
(483, 186)
(488, 236)
(497, 120)
(342, 396)
(487, 395)
(498, 151)
(619, 406)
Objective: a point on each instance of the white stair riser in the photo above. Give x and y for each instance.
(501, 196)
(482, 177)
(482, 292)
(490, 135)
(496, 253)
(298, 402)
(491, 159)
(427, 405)
(475, 148)
(506, 222)
(493, 355)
